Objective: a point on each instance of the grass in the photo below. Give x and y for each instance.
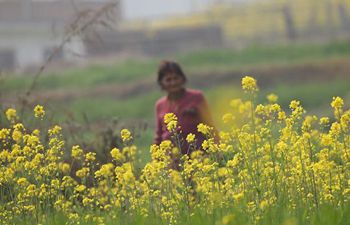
(315, 96)
(282, 54)
(90, 76)
(312, 96)
(277, 215)
(195, 62)
(102, 108)
(267, 54)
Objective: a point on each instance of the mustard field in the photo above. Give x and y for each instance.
(268, 166)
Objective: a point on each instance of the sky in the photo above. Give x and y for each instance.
(153, 9)
(156, 9)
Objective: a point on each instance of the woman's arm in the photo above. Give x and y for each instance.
(206, 117)
(158, 128)
(204, 112)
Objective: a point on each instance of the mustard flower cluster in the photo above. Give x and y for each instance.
(267, 159)
(249, 84)
(170, 120)
(39, 111)
(125, 134)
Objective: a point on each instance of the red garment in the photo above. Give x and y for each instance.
(191, 109)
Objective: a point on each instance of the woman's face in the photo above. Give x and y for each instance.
(172, 82)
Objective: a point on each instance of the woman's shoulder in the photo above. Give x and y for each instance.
(194, 93)
(161, 101)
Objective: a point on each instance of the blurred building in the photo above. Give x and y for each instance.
(155, 43)
(30, 30)
(268, 22)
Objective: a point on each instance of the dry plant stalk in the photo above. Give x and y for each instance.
(84, 20)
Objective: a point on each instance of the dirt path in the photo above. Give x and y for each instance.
(267, 76)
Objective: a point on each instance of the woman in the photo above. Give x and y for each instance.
(190, 106)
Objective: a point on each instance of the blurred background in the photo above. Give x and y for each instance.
(93, 64)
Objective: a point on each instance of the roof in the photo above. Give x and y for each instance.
(17, 11)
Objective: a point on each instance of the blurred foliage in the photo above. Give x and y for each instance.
(90, 118)
(129, 70)
(250, 19)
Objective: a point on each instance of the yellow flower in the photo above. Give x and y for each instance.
(22, 181)
(260, 109)
(90, 157)
(235, 103)
(234, 162)
(170, 120)
(117, 155)
(222, 172)
(55, 183)
(326, 140)
(345, 120)
(238, 197)
(204, 129)
(16, 135)
(11, 115)
(83, 172)
(227, 219)
(337, 103)
(31, 189)
(175, 151)
(87, 201)
(80, 188)
(294, 104)
(228, 117)
(4, 133)
(169, 117)
(263, 204)
(245, 107)
(190, 138)
(171, 126)
(19, 126)
(272, 98)
(55, 130)
(281, 115)
(36, 132)
(275, 108)
(166, 144)
(224, 136)
(39, 111)
(29, 208)
(324, 121)
(125, 134)
(106, 170)
(209, 145)
(335, 129)
(73, 216)
(65, 168)
(249, 84)
(77, 152)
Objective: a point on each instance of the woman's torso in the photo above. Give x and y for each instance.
(187, 110)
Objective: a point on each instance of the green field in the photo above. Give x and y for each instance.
(295, 179)
(202, 61)
(131, 110)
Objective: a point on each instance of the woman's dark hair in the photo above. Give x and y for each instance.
(166, 67)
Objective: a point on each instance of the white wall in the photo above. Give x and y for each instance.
(30, 47)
